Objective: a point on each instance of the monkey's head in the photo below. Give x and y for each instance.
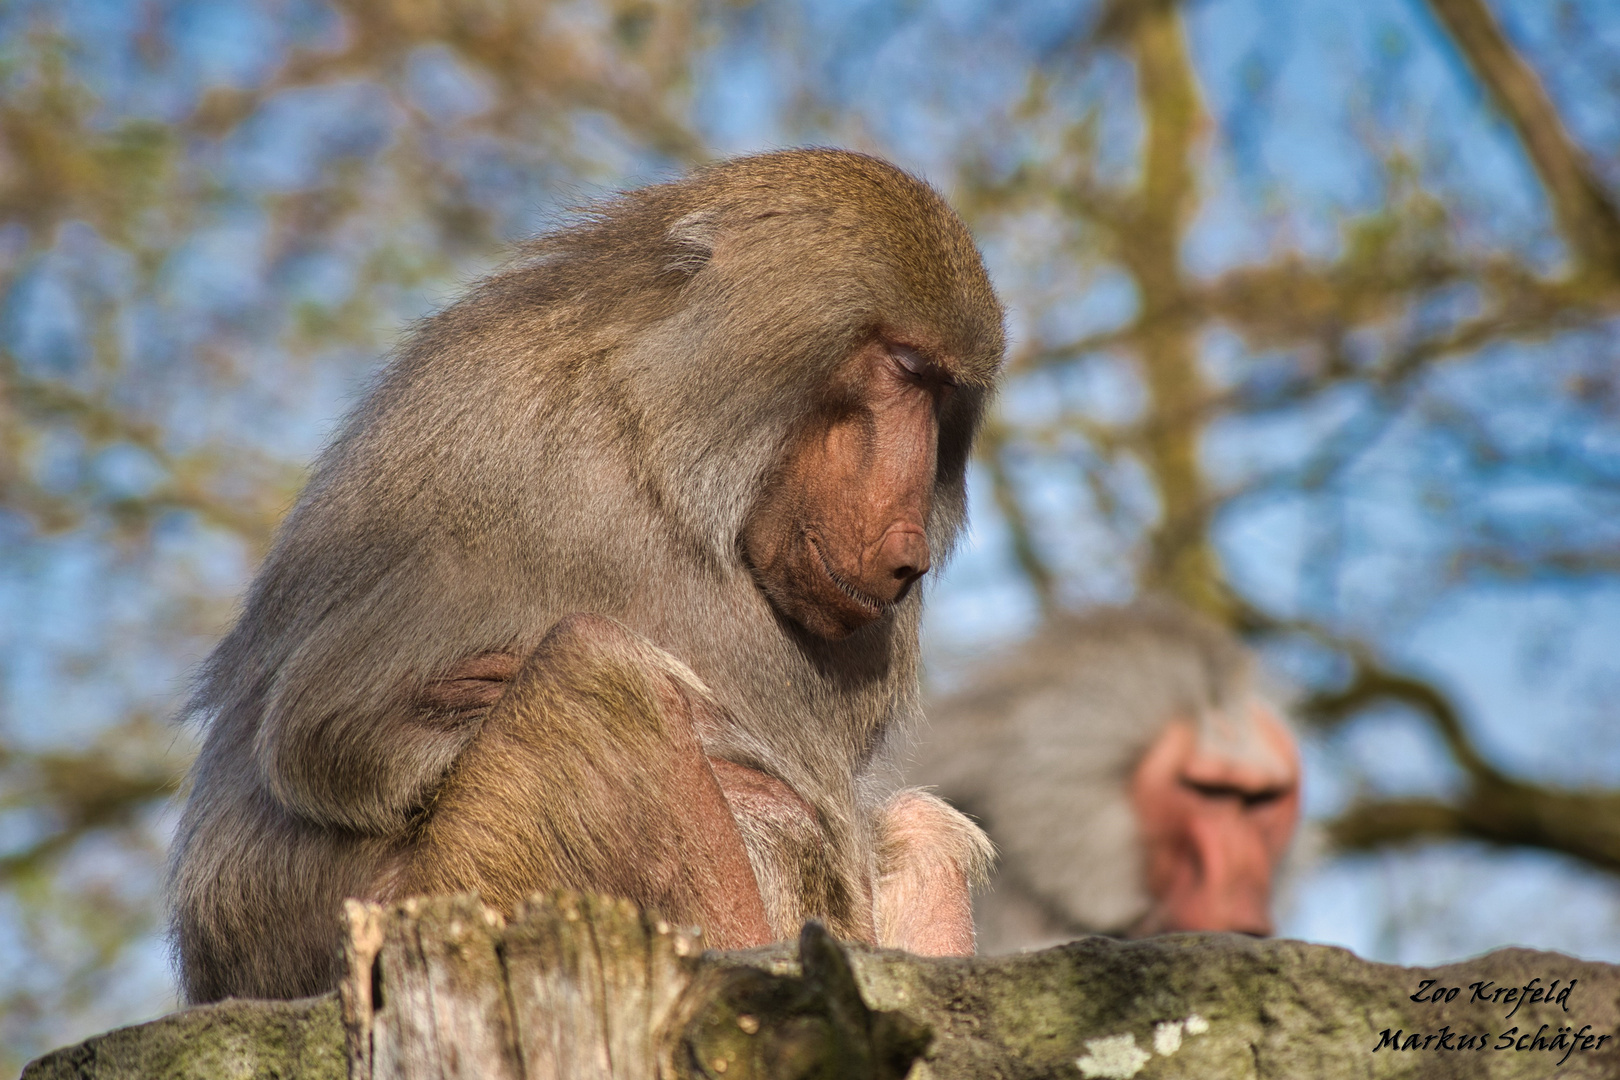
(1134, 771)
(787, 353)
(870, 310)
(803, 343)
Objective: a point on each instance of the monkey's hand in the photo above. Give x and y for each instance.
(587, 773)
(929, 857)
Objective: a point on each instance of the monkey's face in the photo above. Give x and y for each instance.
(1215, 820)
(838, 536)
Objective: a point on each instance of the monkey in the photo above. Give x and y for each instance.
(607, 583)
(1131, 771)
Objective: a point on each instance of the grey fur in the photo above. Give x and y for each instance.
(585, 431)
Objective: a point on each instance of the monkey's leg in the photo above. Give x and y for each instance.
(797, 872)
(588, 774)
(929, 857)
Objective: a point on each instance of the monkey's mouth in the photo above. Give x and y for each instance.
(870, 606)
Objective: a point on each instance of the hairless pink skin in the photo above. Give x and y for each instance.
(1215, 823)
(924, 902)
(839, 537)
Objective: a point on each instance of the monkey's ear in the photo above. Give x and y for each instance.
(692, 239)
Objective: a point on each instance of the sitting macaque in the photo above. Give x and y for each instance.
(607, 584)
(1132, 774)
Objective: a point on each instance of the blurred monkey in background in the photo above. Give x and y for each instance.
(1132, 773)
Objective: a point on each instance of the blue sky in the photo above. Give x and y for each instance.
(1305, 100)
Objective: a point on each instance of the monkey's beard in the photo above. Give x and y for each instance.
(1080, 871)
(1054, 798)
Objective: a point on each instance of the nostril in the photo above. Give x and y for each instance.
(901, 559)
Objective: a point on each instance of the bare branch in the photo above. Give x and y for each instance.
(1557, 562)
(85, 792)
(1372, 683)
(187, 475)
(992, 450)
(1583, 824)
(1585, 210)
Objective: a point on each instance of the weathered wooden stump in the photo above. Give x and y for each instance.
(590, 989)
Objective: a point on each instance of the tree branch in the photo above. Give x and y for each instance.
(992, 447)
(1372, 683)
(1182, 563)
(1583, 824)
(1586, 213)
(1495, 808)
(85, 792)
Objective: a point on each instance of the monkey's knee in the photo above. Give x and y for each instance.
(596, 639)
(929, 858)
(585, 640)
(586, 630)
(595, 662)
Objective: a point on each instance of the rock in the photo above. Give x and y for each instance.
(581, 987)
(1218, 1005)
(234, 1040)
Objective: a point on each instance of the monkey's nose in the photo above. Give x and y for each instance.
(901, 559)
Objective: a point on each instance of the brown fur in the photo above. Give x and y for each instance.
(594, 709)
(587, 431)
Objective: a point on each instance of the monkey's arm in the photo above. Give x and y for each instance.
(349, 737)
(588, 774)
(929, 856)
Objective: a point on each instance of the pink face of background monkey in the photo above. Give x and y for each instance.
(1133, 773)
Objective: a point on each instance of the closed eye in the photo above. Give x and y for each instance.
(1249, 797)
(910, 359)
(920, 367)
